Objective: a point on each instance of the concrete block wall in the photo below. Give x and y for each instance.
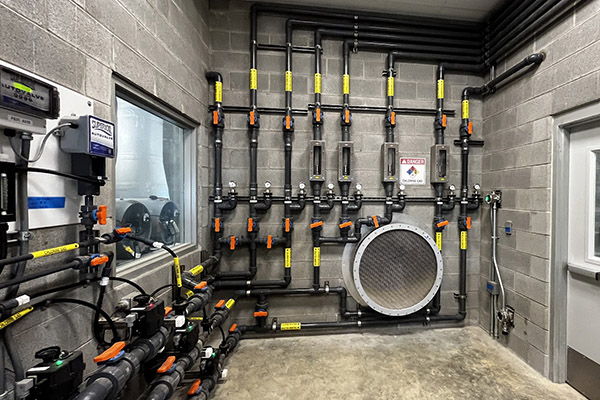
(160, 46)
(415, 87)
(517, 128)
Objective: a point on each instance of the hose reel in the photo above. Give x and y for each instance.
(395, 270)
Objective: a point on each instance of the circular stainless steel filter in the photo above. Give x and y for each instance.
(397, 269)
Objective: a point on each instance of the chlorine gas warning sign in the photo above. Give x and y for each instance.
(413, 171)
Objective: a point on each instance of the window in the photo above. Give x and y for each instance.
(596, 188)
(154, 173)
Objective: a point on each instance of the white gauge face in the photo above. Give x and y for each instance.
(268, 184)
(452, 188)
(330, 186)
(232, 184)
(302, 185)
(358, 186)
(476, 186)
(402, 187)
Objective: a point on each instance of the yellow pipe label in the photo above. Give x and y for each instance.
(218, 92)
(440, 89)
(438, 240)
(288, 81)
(390, 87)
(253, 79)
(291, 326)
(316, 256)
(189, 294)
(318, 83)
(15, 317)
(230, 303)
(55, 250)
(197, 270)
(288, 257)
(463, 240)
(346, 84)
(465, 109)
(177, 271)
(195, 318)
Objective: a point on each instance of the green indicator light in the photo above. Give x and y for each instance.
(22, 87)
(59, 363)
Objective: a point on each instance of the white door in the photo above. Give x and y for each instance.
(583, 296)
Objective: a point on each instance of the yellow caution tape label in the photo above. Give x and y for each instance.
(318, 83)
(197, 270)
(440, 89)
(288, 257)
(177, 268)
(230, 303)
(15, 317)
(390, 86)
(463, 240)
(189, 294)
(465, 109)
(218, 92)
(291, 326)
(288, 81)
(253, 79)
(55, 250)
(346, 84)
(316, 256)
(438, 240)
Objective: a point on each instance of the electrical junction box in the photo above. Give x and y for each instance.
(92, 136)
(439, 163)
(26, 102)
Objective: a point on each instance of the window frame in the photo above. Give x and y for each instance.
(155, 106)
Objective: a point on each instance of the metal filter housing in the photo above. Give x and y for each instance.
(397, 269)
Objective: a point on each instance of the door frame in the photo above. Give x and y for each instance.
(562, 125)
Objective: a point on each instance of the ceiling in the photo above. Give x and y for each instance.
(473, 10)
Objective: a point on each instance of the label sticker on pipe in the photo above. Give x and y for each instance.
(318, 83)
(413, 171)
(346, 84)
(316, 256)
(253, 79)
(465, 109)
(291, 326)
(288, 81)
(463, 240)
(438, 240)
(390, 86)
(440, 89)
(288, 257)
(219, 92)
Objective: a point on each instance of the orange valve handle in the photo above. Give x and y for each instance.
(194, 388)
(217, 224)
(288, 225)
(233, 328)
(347, 116)
(346, 225)
(166, 365)
(252, 118)
(444, 120)
(442, 223)
(168, 310)
(288, 122)
(215, 117)
(250, 224)
(318, 115)
(468, 222)
(393, 118)
(220, 304)
(232, 243)
(269, 241)
(111, 352)
(375, 221)
(123, 231)
(470, 128)
(98, 261)
(316, 224)
(101, 214)
(258, 314)
(201, 285)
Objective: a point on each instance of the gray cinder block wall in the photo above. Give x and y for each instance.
(415, 87)
(517, 128)
(161, 46)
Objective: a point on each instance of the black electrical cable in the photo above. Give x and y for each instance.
(99, 182)
(222, 332)
(96, 321)
(155, 292)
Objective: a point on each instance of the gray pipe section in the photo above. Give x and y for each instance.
(110, 380)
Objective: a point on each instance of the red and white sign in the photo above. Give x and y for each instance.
(413, 171)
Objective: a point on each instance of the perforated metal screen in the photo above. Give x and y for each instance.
(397, 270)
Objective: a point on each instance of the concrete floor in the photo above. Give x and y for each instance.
(456, 363)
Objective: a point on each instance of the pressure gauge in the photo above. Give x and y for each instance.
(267, 185)
(330, 186)
(358, 187)
(476, 187)
(302, 185)
(232, 185)
(452, 188)
(402, 187)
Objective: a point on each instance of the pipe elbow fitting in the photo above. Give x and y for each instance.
(214, 76)
(535, 58)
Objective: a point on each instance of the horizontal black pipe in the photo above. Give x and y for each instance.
(26, 278)
(413, 56)
(532, 59)
(375, 109)
(364, 199)
(283, 48)
(261, 110)
(519, 14)
(505, 11)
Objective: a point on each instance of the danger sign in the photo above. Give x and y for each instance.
(413, 171)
